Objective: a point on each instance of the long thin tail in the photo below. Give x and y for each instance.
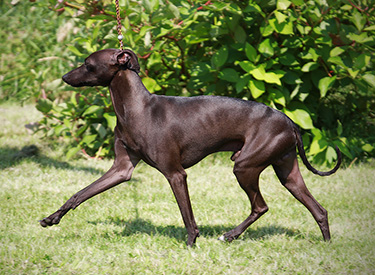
(302, 154)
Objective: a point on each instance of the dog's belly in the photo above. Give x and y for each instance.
(193, 155)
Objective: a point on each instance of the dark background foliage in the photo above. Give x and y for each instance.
(313, 60)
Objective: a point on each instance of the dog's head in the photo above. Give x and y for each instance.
(101, 66)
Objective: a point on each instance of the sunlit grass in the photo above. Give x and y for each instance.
(136, 227)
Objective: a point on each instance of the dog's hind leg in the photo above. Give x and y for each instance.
(248, 179)
(120, 171)
(290, 176)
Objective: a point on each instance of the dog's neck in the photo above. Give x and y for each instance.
(127, 91)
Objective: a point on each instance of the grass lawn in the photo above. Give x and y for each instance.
(136, 227)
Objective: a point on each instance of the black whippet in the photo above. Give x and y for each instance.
(174, 133)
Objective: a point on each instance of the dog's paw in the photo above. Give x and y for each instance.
(227, 237)
(44, 222)
(49, 221)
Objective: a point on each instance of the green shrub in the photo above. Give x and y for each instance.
(313, 60)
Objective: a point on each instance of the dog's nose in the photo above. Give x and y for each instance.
(65, 77)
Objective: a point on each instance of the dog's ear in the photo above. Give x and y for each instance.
(129, 60)
(122, 58)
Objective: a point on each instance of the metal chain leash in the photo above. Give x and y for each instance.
(119, 37)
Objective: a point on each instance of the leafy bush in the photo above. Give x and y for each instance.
(313, 60)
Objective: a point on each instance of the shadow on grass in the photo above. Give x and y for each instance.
(139, 225)
(12, 156)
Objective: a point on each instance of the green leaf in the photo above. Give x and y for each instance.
(96, 30)
(74, 50)
(298, 2)
(240, 35)
(82, 129)
(367, 148)
(235, 9)
(283, 4)
(252, 7)
(312, 54)
(219, 5)
(247, 66)
(266, 48)
(174, 10)
(287, 28)
(73, 98)
(100, 129)
(72, 152)
(330, 154)
(317, 133)
(280, 17)
(370, 28)
(257, 88)
(283, 28)
(346, 7)
(89, 139)
(110, 36)
(361, 38)
(67, 123)
(127, 23)
(308, 67)
(275, 25)
(145, 29)
(220, 57)
(343, 147)
(241, 83)
(59, 129)
(53, 85)
(277, 96)
(300, 115)
(337, 60)
(93, 109)
(358, 19)
(353, 73)
(280, 73)
(288, 59)
(159, 32)
(336, 51)
(339, 128)
(266, 29)
(191, 39)
(147, 5)
(370, 79)
(251, 52)
(111, 120)
(325, 84)
(271, 77)
(258, 73)
(229, 74)
(44, 105)
(151, 84)
(362, 61)
(154, 4)
(317, 146)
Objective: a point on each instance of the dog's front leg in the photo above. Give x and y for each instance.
(177, 180)
(120, 171)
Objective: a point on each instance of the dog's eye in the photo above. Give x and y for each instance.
(89, 67)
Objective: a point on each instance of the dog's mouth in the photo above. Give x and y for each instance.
(78, 83)
(68, 79)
